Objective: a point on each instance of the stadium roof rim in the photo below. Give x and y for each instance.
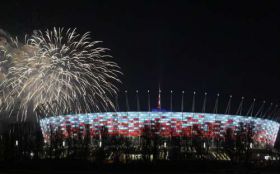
(166, 112)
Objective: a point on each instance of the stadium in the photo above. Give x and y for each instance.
(160, 134)
(164, 124)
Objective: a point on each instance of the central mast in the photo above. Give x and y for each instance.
(159, 100)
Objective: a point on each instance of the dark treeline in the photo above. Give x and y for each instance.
(24, 141)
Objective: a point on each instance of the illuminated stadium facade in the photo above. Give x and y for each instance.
(166, 135)
(209, 127)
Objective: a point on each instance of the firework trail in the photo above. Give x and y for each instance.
(55, 72)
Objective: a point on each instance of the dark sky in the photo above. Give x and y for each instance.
(231, 48)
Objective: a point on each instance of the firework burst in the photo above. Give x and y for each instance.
(56, 72)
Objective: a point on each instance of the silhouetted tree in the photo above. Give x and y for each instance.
(104, 136)
(197, 139)
(229, 142)
(175, 144)
(146, 142)
(155, 137)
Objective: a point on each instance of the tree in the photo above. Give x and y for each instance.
(229, 142)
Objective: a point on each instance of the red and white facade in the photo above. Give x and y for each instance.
(165, 124)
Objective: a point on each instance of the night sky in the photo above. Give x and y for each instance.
(231, 48)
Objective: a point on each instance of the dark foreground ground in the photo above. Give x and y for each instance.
(180, 167)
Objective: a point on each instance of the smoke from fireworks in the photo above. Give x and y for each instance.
(55, 72)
